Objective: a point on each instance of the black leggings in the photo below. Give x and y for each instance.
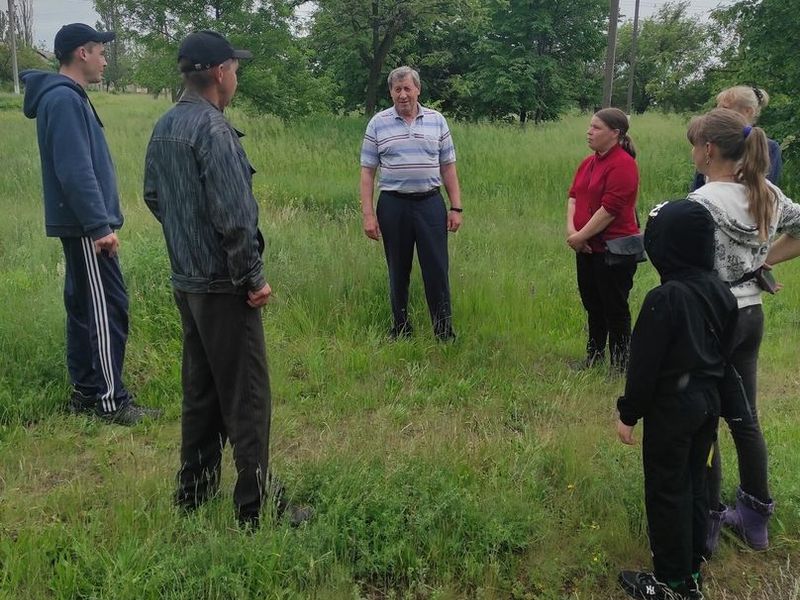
(751, 449)
(604, 293)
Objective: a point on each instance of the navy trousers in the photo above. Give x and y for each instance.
(421, 222)
(97, 323)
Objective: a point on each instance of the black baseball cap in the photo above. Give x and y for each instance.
(74, 35)
(206, 49)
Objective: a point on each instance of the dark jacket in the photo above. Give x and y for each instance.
(775, 166)
(685, 324)
(198, 184)
(78, 178)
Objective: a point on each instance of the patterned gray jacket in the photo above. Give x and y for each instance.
(198, 184)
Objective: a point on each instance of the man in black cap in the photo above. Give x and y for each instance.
(82, 209)
(198, 184)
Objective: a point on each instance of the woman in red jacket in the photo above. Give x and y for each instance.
(601, 208)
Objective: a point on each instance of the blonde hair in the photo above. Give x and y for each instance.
(743, 97)
(736, 140)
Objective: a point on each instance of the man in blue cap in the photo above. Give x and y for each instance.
(199, 185)
(82, 208)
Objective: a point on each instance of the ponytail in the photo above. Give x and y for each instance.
(627, 144)
(747, 145)
(753, 169)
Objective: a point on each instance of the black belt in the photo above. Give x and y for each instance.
(414, 195)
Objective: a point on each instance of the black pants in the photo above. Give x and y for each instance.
(404, 223)
(604, 292)
(97, 322)
(678, 434)
(751, 448)
(226, 396)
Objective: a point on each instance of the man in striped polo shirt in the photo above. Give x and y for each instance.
(413, 148)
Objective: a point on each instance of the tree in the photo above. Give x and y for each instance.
(24, 15)
(674, 52)
(354, 38)
(278, 79)
(759, 40)
(118, 71)
(24, 23)
(532, 54)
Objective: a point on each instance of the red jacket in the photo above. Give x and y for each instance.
(610, 180)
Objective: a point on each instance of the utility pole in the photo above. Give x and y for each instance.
(613, 17)
(12, 26)
(632, 70)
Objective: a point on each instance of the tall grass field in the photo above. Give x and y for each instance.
(486, 468)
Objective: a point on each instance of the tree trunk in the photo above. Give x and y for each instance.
(380, 50)
(372, 81)
(523, 116)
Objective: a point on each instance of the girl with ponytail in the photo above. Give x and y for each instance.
(748, 101)
(601, 209)
(749, 212)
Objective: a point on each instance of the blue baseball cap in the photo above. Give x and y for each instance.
(74, 35)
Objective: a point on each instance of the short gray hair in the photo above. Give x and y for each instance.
(401, 73)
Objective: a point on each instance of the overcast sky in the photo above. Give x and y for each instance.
(50, 15)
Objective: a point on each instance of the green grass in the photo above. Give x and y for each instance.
(482, 469)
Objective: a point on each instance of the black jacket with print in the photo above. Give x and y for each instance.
(198, 184)
(685, 326)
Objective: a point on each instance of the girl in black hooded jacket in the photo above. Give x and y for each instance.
(676, 363)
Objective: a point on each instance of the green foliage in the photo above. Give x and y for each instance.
(529, 57)
(477, 59)
(357, 42)
(118, 72)
(27, 58)
(759, 41)
(674, 50)
(277, 80)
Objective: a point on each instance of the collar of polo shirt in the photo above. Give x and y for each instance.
(419, 112)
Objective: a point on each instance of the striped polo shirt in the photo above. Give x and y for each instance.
(409, 156)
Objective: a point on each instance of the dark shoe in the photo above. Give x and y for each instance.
(749, 519)
(128, 415)
(401, 331)
(695, 587)
(296, 515)
(645, 586)
(587, 363)
(152, 413)
(446, 338)
(715, 519)
(191, 495)
(81, 404)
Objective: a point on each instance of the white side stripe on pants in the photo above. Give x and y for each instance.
(99, 306)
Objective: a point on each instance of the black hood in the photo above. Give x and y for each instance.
(679, 239)
(38, 83)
